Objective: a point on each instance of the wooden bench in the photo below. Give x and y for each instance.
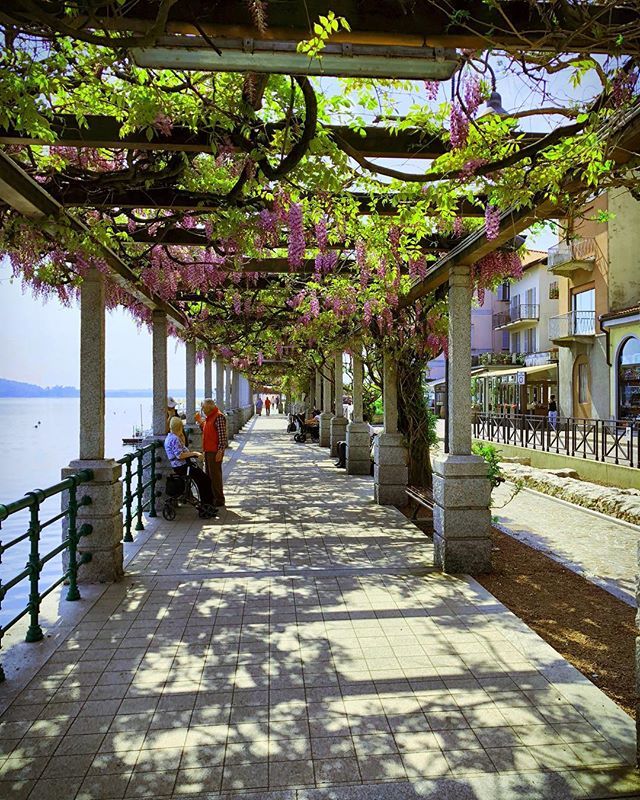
(423, 498)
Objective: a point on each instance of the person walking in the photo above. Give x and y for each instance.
(553, 412)
(267, 406)
(214, 443)
(259, 406)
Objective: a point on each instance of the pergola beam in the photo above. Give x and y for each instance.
(184, 237)
(387, 22)
(183, 201)
(27, 197)
(103, 131)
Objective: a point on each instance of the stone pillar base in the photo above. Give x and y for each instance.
(325, 429)
(104, 543)
(390, 471)
(230, 426)
(358, 449)
(461, 515)
(338, 433)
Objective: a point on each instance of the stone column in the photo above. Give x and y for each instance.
(325, 417)
(208, 376)
(219, 393)
(338, 423)
(461, 489)
(235, 400)
(227, 402)
(358, 439)
(318, 392)
(159, 359)
(102, 517)
(194, 434)
(390, 472)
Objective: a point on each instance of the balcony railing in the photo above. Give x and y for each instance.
(517, 313)
(575, 323)
(579, 253)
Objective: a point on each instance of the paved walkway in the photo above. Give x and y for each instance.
(599, 547)
(301, 647)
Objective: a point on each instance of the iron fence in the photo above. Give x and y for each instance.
(31, 502)
(605, 440)
(143, 497)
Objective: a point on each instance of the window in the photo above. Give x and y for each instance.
(629, 378)
(554, 290)
(515, 342)
(530, 340)
(583, 383)
(504, 292)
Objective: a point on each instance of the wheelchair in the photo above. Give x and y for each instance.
(182, 490)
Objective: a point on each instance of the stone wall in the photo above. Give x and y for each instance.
(620, 503)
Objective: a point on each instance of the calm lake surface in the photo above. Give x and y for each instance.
(38, 437)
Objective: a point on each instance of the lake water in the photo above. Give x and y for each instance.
(38, 437)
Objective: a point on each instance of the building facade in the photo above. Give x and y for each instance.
(597, 330)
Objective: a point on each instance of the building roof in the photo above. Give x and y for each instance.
(533, 258)
(623, 312)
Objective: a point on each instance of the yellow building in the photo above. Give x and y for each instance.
(598, 328)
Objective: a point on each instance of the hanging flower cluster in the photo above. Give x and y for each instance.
(458, 127)
(492, 221)
(296, 236)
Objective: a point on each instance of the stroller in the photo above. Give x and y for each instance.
(302, 430)
(183, 490)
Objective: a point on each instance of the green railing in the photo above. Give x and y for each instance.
(133, 499)
(32, 502)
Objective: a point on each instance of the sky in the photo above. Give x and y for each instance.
(39, 343)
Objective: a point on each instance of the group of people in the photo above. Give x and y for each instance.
(213, 424)
(266, 404)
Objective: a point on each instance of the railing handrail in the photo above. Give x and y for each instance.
(532, 311)
(74, 533)
(39, 495)
(581, 248)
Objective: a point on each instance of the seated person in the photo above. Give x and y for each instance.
(180, 460)
(314, 419)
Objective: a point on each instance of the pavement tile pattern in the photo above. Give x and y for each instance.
(302, 647)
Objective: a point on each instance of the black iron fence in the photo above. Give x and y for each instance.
(142, 497)
(606, 440)
(31, 503)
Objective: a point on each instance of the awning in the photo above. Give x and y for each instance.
(539, 369)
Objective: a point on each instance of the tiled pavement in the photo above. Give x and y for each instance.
(302, 647)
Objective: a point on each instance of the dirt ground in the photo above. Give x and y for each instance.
(592, 629)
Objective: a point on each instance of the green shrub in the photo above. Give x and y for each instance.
(491, 456)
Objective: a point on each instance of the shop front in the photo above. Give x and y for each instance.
(521, 390)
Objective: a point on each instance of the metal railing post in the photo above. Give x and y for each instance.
(128, 499)
(34, 632)
(140, 490)
(73, 593)
(152, 496)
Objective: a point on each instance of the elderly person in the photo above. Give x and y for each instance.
(214, 443)
(180, 459)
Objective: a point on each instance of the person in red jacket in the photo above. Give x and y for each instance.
(214, 443)
(267, 405)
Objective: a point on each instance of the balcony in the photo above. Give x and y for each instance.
(518, 316)
(567, 257)
(541, 359)
(576, 326)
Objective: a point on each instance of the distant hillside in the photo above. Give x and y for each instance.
(19, 389)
